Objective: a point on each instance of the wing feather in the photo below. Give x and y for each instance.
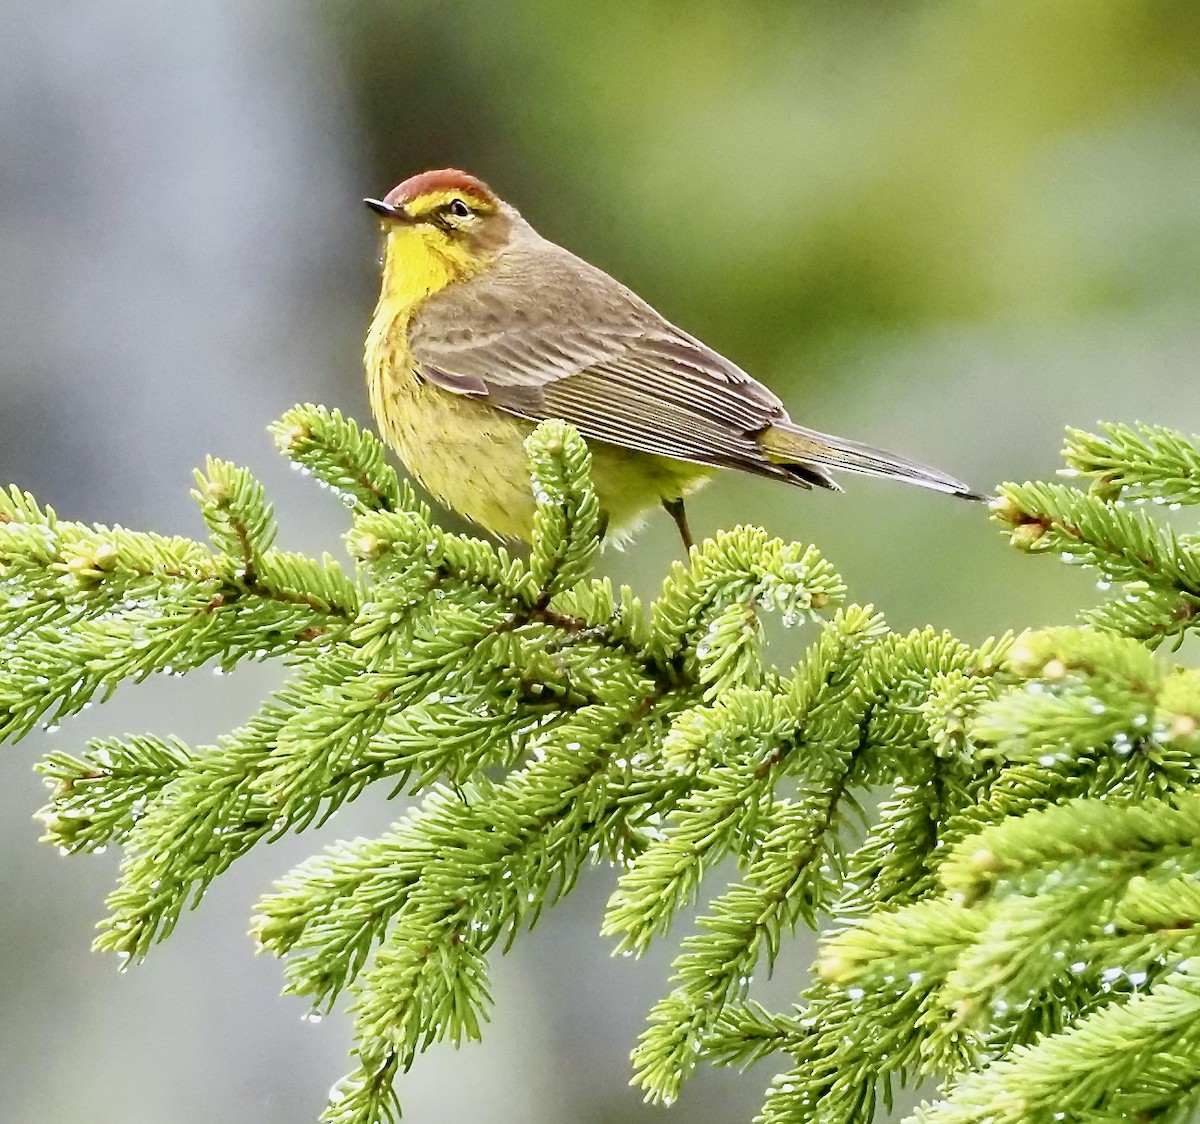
(543, 334)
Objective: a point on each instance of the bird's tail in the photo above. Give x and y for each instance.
(788, 444)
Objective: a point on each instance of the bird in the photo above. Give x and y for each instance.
(484, 328)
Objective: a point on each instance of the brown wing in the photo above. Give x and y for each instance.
(545, 335)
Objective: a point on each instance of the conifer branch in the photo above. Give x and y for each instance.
(1018, 920)
(1131, 1061)
(1142, 462)
(1158, 571)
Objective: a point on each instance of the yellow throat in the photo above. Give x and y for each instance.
(416, 264)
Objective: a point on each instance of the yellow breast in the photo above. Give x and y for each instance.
(465, 454)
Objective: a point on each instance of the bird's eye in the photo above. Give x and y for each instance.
(459, 209)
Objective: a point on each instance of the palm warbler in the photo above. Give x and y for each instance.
(483, 328)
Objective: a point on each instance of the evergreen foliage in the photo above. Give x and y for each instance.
(1016, 921)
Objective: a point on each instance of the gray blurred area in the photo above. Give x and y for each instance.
(946, 228)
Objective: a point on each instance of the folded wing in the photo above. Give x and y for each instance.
(543, 334)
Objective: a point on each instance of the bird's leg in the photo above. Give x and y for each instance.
(675, 510)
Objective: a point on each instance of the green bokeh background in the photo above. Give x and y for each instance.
(945, 228)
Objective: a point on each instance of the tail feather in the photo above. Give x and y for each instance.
(788, 444)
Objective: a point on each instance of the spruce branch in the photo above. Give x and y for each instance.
(567, 526)
(1136, 1060)
(1018, 919)
(1126, 546)
(737, 750)
(1141, 462)
(1158, 570)
(350, 461)
(97, 798)
(747, 1033)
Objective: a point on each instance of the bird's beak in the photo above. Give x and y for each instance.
(388, 211)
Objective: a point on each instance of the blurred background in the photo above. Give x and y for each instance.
(946, 228)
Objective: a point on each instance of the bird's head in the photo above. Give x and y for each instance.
(441, 226)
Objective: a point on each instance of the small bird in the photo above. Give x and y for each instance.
(484, 328)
